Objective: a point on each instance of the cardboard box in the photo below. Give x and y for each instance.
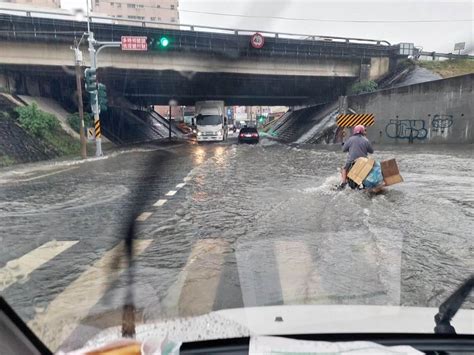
(390, 172)
(360, 170)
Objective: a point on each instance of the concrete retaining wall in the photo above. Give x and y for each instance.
(440, 111)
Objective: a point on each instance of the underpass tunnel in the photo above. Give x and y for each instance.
(157, 88)
(131, 91)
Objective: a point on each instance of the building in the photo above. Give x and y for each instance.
(250, 113)
(35, 3)
(140, 10)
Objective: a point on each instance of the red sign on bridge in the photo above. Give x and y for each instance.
(134, 43)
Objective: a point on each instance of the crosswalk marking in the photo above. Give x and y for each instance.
(144, 216)
(270, 272)
(298, 277)
(258, 276)
(171, 192)
(181, 185)
(160, 202)
(197, 283)
(20, 268)
(66, 311)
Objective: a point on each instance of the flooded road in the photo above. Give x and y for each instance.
(225, 226)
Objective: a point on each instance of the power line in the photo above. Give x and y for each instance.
(320, 20)
(292, 18)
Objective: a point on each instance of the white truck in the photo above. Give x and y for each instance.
(210, 122)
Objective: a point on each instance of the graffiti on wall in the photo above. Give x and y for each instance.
(441, 122)
(406, 129)
(412, 129)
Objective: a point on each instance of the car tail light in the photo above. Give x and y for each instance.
(254, 135)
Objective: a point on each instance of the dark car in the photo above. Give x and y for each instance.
(249, 135)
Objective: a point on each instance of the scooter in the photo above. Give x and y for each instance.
(362, 187)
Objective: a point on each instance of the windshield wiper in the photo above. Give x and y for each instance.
(449, 308)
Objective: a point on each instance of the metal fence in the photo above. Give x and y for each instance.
(65, 15)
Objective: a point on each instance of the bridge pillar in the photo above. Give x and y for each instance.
(364, 72)
(374, 68)
(379, 66)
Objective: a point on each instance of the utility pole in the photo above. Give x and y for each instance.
(94, 94)
(95, 105)
(78, 62)
(94, 91)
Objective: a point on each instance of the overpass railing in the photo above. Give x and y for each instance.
(81, 17)
(435, 55)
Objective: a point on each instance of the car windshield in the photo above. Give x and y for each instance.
(219, 169)
(208, 120)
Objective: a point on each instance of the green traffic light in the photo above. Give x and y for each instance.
(164, 42)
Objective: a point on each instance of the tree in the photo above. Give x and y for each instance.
(363, 87)
(74, 121)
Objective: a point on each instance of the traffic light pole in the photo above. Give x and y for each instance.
(95, 105)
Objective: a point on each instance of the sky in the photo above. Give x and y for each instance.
(431, 24)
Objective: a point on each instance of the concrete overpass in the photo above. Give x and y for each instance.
(35, 58)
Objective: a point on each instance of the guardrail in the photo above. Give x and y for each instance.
(66, 15)
(444, 55)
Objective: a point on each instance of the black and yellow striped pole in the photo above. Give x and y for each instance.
(97, 129)
(98, 134)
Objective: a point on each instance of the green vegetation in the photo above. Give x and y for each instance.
(74, 121)
(5, 160)
(46, 127)
(362, 87)
(62, 142)
(35, 121)
(449, 68)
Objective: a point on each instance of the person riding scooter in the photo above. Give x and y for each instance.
(357, 146)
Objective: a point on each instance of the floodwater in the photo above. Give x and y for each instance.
(248, 226)
(407, 246)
